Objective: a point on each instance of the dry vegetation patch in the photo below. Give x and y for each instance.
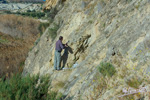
(17, 37)
(18, 26)
(12, 54)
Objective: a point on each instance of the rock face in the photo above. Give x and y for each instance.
(115, 31)
(50, 4)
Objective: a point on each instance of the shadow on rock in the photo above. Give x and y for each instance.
(64, 57)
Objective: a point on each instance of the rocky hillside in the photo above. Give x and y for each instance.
(115, 32)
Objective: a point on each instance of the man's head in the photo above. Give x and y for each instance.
(61, 38)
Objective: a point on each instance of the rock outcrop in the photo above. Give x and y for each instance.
(50, 4)
(114, 31)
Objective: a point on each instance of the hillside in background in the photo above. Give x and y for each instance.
(19, 27)
(17, 37)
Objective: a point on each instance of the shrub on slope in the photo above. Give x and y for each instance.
(26, 88)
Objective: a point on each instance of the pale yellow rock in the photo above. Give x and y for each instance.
(50, 4)
(99, 31)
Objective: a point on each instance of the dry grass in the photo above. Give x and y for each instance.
(13, 54)
(21, 33)
(18, 26)
(101, 84)
(135, 83)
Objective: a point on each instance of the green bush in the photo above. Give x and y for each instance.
(26, 88)
(42, 27)
(107, 69)
(53, 31)
(31, 14)
(18, 12)
(8, 12)
(3, 40)
(40, 14)
(29, 11)
(51, 13)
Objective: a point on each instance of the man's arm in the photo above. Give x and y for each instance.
(61, 45)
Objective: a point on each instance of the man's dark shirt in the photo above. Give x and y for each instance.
(59, 46)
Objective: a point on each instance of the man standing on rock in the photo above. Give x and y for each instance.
(58, 49)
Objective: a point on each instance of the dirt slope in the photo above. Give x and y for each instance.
(16, 43)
